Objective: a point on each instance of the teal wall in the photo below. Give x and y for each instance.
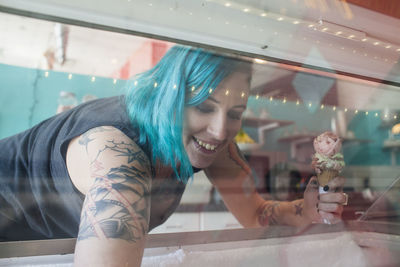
(317, 121)
(27, 96)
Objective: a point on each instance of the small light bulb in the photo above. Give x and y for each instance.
(193, 88)
(366, 112)
(135, 83)
(227, 4)
(174, 86)
(388, 46)
(297, 102)
(69, 76)
(334, 108)
(227, 92)
(345, 110)
(246, 10)
(310, 104)
(263, 14)
(322, 106)
(325, 29)
(296, 22)
(257, 96)
(376, 43)
(210, 91)
(356, 111)
(155, 84)
(93, 79)
(376, 114)
(284, 101)
(115, 81)
(280, 19)
(243, 94)
(364, 39)
(338, 33)
(46, 74)
(271, 98)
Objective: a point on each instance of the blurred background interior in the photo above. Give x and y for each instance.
(318, 66)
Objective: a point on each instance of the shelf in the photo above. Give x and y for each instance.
(391, 143)
(303, 138)
(267, 123)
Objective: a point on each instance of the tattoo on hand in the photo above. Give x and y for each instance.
(299, 209)
(117, 206)
(268, 214)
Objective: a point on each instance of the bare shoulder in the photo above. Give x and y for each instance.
(116, 211)
(100, 149)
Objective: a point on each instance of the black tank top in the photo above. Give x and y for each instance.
(37, 197)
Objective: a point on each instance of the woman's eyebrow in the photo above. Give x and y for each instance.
(216, 101)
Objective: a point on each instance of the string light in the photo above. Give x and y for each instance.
(227, 92)
(93, 79)
(257, 96)
(246, 10)
(356, 111)
(243, 94)
(174, 86)
(388, 46)
(69, 76)
(135, 83)
(271, 98)
(210, 91)
(325, 29)
(322, 106)
(297, 102)
(338, 33)
(310, 104)
(115, 81)
(280, 19)
(296, 22)
(345, 110)
(263, 15)
(364, 39)
(46, 74)
(395, 117)
(376, 114)
(193, 88)
(366, 112)
(334, 108)
(155, 84)
(227, 4)
(284, 101)
(376, 43)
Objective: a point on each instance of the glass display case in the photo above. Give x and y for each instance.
(316, 66)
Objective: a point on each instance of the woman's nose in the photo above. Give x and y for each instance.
(218, 128)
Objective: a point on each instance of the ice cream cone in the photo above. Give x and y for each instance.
(326, 176)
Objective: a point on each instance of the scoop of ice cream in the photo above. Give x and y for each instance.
(327, 156)
(327, 144)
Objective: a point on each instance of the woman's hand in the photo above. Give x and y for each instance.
(327, 207)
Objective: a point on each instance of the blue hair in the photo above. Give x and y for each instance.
(156, 100)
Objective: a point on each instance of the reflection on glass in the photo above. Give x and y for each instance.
(171, 138)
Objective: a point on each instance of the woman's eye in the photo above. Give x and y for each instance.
(235, 115)
(204, 108)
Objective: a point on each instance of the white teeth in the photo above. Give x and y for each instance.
(205, 145)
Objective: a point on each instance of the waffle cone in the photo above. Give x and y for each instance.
(326, 176)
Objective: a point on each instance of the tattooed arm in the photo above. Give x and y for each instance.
(231, 175)
(114, 174)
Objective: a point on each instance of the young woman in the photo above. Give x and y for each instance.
(110, 170)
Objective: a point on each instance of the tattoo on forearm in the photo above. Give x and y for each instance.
(117, 206)
(267, 214)
(237, 157)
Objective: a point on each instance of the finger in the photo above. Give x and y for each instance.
(312, 184)
(333, 197)
(329, 218)
(330, 207)
(336, 184)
